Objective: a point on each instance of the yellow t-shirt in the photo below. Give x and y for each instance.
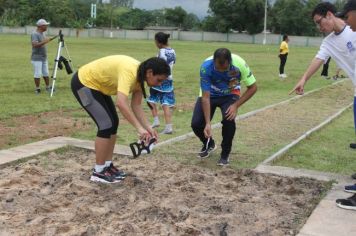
(284, 47)
(111, 74)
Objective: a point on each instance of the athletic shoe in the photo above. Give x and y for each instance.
(155, 124)
(167, 131)
(224, 161)
(49, 89)
(105, 176)
(335, 77)
(353, 176)
(118, 174)
(350, 188)
(207, 148)
(348, 203)
(37, 91)
(325, 77)
(353, 145)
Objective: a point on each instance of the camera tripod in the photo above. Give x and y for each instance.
(59, 59)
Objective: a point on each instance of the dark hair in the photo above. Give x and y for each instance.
(285, 37)
(222, 55)
(323, 8)
(158, 66)
(162, 38)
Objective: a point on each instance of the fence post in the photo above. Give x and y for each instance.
(253, 39)
(307, 42)
(227, 37)
(202, 36)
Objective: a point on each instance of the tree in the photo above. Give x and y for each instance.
(239, 15)
(175, 16)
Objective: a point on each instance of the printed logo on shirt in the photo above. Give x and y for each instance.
(350, 47)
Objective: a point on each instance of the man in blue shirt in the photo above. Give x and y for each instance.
(220, 78)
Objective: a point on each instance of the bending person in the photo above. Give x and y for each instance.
(119, 75)
(220, 77)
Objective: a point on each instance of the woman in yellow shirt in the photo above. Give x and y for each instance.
(119, 75)
(283, 54)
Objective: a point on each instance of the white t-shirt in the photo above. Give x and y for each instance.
(169, 55)
(341, 48)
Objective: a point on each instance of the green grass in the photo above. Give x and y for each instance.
(325, 150)
(17, 87)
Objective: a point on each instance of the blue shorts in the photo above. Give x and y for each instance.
(165, 98)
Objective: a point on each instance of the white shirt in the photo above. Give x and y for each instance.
(341, 48)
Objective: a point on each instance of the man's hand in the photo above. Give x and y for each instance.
(231, 112)
(207, 130)
(299, 88)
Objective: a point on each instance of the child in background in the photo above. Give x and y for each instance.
(164, 93)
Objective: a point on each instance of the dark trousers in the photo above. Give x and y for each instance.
(228, 126)
(325, 70)
(283, 58)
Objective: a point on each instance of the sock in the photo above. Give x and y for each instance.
(38, 87)
(108, 163)
(99, 168)
(156, 119)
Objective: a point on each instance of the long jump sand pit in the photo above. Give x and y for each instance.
(51, 195)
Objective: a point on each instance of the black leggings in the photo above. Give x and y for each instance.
(228, 126)
(283, 58)
(99, 106)
(325, 70)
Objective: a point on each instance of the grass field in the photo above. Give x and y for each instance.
(17, 88)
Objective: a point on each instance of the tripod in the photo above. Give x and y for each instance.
(59, 59)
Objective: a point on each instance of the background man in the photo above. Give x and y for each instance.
(39, 55)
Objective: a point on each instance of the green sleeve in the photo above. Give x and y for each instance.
(247, 78)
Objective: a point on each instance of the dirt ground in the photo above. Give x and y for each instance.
(51, 195)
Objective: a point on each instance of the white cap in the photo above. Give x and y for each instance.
(41, 22)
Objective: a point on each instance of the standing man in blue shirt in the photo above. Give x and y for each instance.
(220, 77)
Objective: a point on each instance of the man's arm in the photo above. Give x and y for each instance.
(231, 112)
(205, 99)
(313, 67)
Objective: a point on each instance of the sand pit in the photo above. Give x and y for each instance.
(51, 195)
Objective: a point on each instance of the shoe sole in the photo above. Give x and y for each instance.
(100, 180)
(219, 164)
(154, 126)
(346, 207)
(350, 191)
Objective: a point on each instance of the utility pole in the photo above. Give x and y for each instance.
(265, 25)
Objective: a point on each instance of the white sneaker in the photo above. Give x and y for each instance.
(155, 125)
(167, 131)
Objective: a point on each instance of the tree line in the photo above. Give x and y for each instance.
(291, 17)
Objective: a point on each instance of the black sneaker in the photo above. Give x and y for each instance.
(353, 145)
(118, 174)
(350, 188)
(353, 176)
(37, 91)
(348, 203)
(207, 148)
(224, 161)
(104, 177)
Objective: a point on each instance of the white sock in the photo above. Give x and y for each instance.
(99, 168)
(108, 163)
(156, 119)
(38, 87)
(168, 127)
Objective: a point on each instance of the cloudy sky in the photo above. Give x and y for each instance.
(198, 7)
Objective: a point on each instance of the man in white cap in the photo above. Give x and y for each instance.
(39, 55)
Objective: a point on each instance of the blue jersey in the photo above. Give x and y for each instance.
(169, 55)
(225, 83)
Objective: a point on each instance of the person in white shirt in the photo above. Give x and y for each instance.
(340, 45)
